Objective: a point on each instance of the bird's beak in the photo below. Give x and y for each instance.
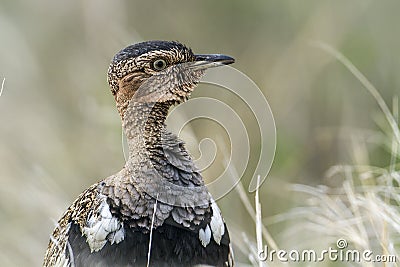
(222, 59)
(212, 60)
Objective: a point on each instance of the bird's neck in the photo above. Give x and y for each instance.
(144, 126)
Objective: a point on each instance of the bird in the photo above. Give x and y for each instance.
(156, 211)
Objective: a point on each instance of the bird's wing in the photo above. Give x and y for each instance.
(212, 231)
(89, 211)
(98, 225)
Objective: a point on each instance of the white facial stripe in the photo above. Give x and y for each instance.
(144, 60)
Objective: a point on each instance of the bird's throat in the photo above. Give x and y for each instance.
(144, 125)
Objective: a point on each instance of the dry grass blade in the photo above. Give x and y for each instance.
(151, 232)
(258, 221)
(247, 204)
(395, 145)
(2, 86)
(365, 82)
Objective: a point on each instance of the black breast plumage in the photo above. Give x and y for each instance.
(171, 246)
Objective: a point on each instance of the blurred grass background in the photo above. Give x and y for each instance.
(60, 131)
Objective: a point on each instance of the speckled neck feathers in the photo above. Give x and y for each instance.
(144, 125)
(158, 164)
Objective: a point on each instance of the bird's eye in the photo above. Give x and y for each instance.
(159, 64)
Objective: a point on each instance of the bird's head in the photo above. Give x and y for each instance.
(158, 71)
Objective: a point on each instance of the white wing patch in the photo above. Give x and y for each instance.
(216, 227)
(102, 227)
(205, 236)
(217, 223)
